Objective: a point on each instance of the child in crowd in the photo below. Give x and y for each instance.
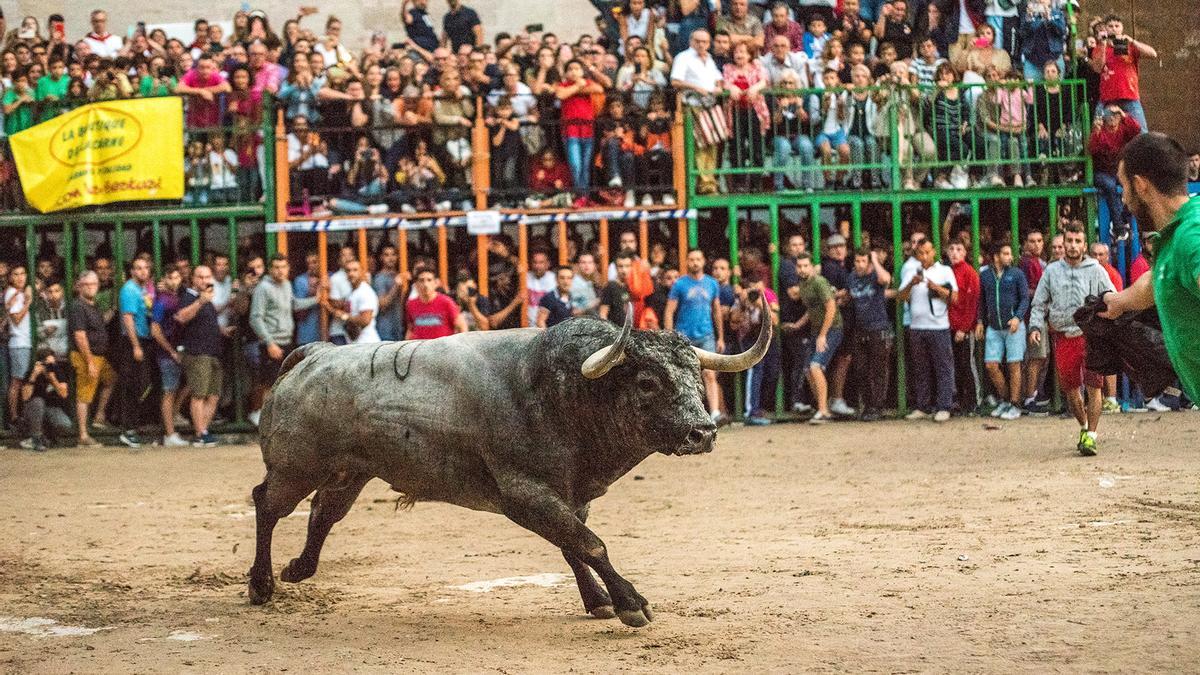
(550, 182)
(197, 174)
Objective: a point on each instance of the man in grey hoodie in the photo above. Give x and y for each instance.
(1061, 291)
(271, 319)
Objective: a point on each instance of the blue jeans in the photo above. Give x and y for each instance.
(1109, 189)
(932, 362)
(1132, 107)
(579, 157)
(618, 162)
(788, 148)
(863, 150)
(762, 379)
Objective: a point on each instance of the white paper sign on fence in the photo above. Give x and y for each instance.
(483, 222)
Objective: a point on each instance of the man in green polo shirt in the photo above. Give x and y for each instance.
(1153, 175)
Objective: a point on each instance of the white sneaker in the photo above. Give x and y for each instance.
(801, 407)
(1157, 405)
(999, 410)
(442, 206)
(839, 407)
(615, 182)
(916, 415)
(253, 416)
(407, 208)
(630, 199)
(819, 418)
(647, 200)
(1018, 181)
(996, 181)
(175, 441)
(533, 203)
(941, 416)
(376, 209)
(668, 200)
(959, 178)
(1012, 413)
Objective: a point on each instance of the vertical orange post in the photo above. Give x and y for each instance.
(644, 239)
(604, 248)
(323, 269)
(523, 268)
(563, 253)
(678, 160)
(402, 248)
(481, 246)
(362, 249)
(682, 234)
(481, 181)
(443, 257)
(283, 187)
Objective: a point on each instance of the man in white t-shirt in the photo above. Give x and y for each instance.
(17, 299)
(340, 289)
(929, 291)
(539, 280)
(364, 306)
(100, 41)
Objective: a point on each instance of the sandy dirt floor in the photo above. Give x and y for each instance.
(843, 548)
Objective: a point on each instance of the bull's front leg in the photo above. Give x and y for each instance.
(595, 599)
(541, 511)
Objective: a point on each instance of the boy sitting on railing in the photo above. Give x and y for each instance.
(791, 139)
(654, 167)
(550, 182)
(833, 116)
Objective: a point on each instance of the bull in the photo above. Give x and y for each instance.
(531, 424)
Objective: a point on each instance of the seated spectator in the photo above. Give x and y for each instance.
(44, 395)
(453, 117)
(308, 159)
(886, 56)
(981, 54)
(507, 151)
(636, 20)
(815, 37)
(924, 66)
(862, 121)
(749, 118)
(781, 25)
(420, 181)
(223, 169)
(617, 154)
(830, 57)
(640, 78)
(951, 117)
(742, 26)
(781, 60)
(19, 104)
(549, 182)
(655, 170)
(197, 174)
(1002, 113)
(791, 140)
(1042, 36)
(1109, 135)
(366, 182)
(833, 117)
(894, 27)
(856, 55)
(1056, 133)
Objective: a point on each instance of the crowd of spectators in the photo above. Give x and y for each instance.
(392, 125)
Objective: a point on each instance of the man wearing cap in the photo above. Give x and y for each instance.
(835, 267)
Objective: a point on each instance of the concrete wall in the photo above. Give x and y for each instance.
(565, 17)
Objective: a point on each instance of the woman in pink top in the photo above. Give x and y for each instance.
(1003, 108)
(746, 79)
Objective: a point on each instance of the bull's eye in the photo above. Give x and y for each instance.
(648, 385)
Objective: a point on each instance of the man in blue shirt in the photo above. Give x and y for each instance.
(134, 301)
(1003, 303)
(697, 297)
(555, 306)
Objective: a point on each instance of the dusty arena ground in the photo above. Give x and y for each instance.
(895, 547)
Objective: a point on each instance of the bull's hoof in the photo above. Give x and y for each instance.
(603, 612)
(636, 618)
(260, 589)
(296, 571)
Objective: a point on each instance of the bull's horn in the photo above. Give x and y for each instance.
(738, 362)
(605, 358)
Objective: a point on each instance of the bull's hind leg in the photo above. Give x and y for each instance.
(330, 505)
(539, 510)
(595, 599)
(274, 498)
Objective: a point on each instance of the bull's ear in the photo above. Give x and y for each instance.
(603, 359)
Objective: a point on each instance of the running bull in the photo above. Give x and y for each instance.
(527, 423)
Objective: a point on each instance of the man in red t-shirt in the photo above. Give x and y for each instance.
(203, 86)
(431, 314)
(1116, 57)
(963, 313)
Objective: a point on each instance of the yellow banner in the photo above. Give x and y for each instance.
(100, 153)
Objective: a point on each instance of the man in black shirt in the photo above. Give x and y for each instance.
(657, 301)
(615, 297)
(461, 26)
(894, 26)
(88, 337)
(201, 341)
(418, 25)
(45, 398)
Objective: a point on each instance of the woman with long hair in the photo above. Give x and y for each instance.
(746, 79)
(640, 78)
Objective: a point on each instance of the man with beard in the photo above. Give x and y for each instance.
(694, 309)
(1153, 174)
(1063, 289)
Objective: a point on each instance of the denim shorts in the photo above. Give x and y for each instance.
(170, 373)
(1001, 345)
(834, 140)
(708, 343)
(833, 339)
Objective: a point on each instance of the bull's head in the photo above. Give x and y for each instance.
(667, 386)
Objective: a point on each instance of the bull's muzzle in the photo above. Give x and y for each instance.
(699, 441)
